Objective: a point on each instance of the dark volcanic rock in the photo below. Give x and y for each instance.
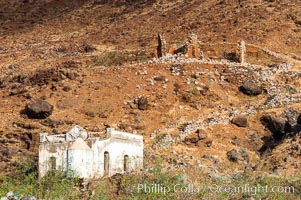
(142, 103)
(240, 121)
(235, 156)
(232, 155)
(67, 88)
(279, 127)
(251, 88)
(159, 78)
(38, 109)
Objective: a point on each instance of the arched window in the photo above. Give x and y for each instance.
(106, 163)
(52, 163)
(126, 163)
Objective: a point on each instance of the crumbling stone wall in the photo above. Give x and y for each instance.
(189, 50)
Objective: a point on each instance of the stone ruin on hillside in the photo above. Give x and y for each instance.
(241, 51)
(191, 49)
(84, 154)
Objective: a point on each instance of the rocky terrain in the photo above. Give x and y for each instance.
(92, 63)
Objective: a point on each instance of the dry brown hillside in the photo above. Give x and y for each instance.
(90, 60)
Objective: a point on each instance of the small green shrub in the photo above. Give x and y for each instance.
(24, 181)
(56, 185)
(195, 91)
(108, 59)
(291, 90)
(232, 56)
(117, 58)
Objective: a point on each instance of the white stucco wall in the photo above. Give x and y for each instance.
(88, 161)
(118, 145)
(117, 149)
(46, 151)
(80, 163)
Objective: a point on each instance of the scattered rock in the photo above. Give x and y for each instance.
(215, 175)
(287, 158)
(17, 91)
(192, 138)
(12, 196)
(213, 159)
(25, 125)
(208, 143)
(164, 141)
(240, 121)
(235, 156)
(253, 136)
(67, 88)
(177, 88)
(142, 103)
(291, 115)
(159, 78)
(28, 96)
(279, 127)
(232, 155)
(202, 134)
(38, 109)
(28, 198)
(251, 88)
(204, 90)
(244, 154)
(196, 137)
(130, 127)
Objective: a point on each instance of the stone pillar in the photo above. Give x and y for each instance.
(241, 51)
(194, 42)
(196, 50)
(161, 48)
(189, 51)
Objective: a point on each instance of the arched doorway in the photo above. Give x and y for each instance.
(52, 163)
(126, 163)
(106, 163)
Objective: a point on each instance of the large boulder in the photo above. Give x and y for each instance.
(251, 88)
(38, 109)
(200, 134)
(278, 126)
(240, 121)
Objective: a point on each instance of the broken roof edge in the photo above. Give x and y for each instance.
(111, 133)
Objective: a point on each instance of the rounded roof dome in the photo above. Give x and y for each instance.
(79, 144)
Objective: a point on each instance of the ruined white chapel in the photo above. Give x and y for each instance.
(86, 155)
